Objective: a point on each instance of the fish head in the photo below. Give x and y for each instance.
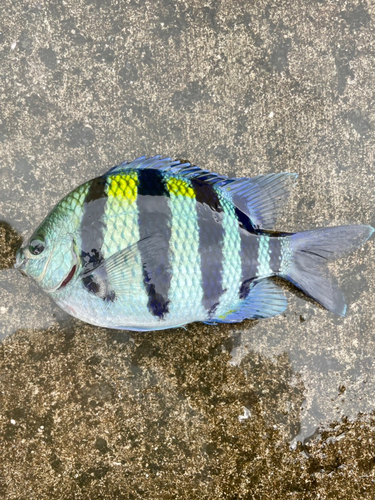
(49, 257)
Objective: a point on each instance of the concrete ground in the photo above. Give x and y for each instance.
(280, 408)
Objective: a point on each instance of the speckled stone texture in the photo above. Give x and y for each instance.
(279, 408)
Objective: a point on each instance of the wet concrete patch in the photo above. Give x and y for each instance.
(164, 415)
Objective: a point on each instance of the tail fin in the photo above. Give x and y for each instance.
(310, 250)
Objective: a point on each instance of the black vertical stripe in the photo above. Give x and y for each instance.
(275, 254)
(211, 236)
(154, 218)
(249, 261)
(92, 228)
(249, 253)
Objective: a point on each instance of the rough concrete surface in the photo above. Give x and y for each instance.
(279, 408)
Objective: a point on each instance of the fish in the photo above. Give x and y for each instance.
(158, 243)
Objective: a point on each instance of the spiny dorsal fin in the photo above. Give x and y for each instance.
(260, 198)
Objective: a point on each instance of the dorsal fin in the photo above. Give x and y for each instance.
(168, 165)
(260, 198)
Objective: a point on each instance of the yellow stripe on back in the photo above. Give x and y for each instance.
(180, 187)
(123, 186)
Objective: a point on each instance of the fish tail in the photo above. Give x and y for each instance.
(305, 255)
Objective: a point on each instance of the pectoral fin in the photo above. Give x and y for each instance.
(116, 274)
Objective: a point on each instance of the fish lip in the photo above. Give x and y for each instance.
(20, 260)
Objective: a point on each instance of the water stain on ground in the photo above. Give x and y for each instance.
(101, 414)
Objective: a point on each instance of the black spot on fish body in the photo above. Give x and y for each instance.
(213, 309)
(111, 296)
(91, 285)
(92, 259)
(157, 304)
(98, 287)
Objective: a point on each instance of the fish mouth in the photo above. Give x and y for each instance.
(20, 260)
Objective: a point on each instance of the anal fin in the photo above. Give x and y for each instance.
(265, 300)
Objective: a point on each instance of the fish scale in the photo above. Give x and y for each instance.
(232, 268)
(184, 253)
(264, 269)
(73, 203)
(122, 230)
(157, 243)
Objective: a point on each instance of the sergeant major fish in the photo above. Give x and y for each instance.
(157, 243)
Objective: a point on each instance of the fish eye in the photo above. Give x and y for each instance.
(37, 245)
